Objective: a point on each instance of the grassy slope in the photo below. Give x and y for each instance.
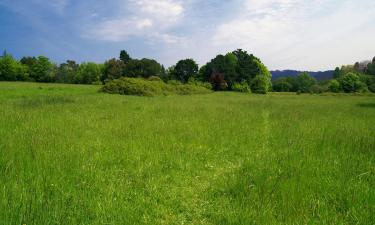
(71, 155)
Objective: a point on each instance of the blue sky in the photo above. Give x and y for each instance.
(285, 34)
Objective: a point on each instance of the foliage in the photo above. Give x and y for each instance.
(260, 84)
(350, 83)
(66, 72)
(241, 87)
(113, 69)
(193, 81)
(336, 73)
(89, 73)
(282, 85)
(142, 68)
(334, 86)
(11, 69)
(42, 70)
(318, 88)
(184, 70)
(236, 67)
(143, 87)
(304, 82)
(124, 56)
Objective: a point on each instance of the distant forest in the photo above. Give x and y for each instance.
(320, 75)
(234, 71)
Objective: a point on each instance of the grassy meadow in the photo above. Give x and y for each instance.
(72, 155)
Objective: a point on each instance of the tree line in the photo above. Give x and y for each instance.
(237, 71)
(359, 77)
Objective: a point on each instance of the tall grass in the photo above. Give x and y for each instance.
(72, 155)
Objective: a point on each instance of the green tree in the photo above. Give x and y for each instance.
(11, 69)
(43, 70)
(89, 73)
(113, 69)
(262, 81)
(247, 66)
(371, 67)
(350, 82)
(304, 82)
(142, 68)
(67, 72)
(282, 85)
(124, 56)
(185, 69)
(336, 73)
(334, 86)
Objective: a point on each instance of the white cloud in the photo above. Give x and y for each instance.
(298, 34)
(150, 18)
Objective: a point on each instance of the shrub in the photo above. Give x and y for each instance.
(193, 81)
(318, 89)
(372, 87)
(260, 84)
(334, 86)
(350, 82)
(143, 87)
(241, 87)
(154, 78)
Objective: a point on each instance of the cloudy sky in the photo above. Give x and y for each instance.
(285, 34)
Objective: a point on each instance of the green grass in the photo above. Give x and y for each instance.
(72, 155)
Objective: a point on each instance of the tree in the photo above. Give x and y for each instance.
(89, 73)
(67, 72)
(223, 65)
(236, 67)
(124, 56)
(304, 82)
(11, 69)
(113, 69)
(247, 65)
(43, 70)
(282, 85)
(336, 73)
(350, 82)
(185, 69)
(334, 86)
(262, 81)
(143, 68)
(371, 67)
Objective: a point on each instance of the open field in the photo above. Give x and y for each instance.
(72, 155)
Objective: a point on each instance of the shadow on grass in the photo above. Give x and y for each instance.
(367, 105)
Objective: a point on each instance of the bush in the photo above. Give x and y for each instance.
(241, 87)
(350, 83)
(193, 81)
(372, 87)
(318, 89)
(154, 78)
(260, 84)
(334, 86)
(143, 87)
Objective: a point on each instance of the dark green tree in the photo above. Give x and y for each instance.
(304, 82)
(67, 72)
(43, 70)
(282, 85)
(142, 68)
(336, 73)
(185, 69)
(113, 69)
(124, 56)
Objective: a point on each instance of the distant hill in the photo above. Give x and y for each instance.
(321, 75)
